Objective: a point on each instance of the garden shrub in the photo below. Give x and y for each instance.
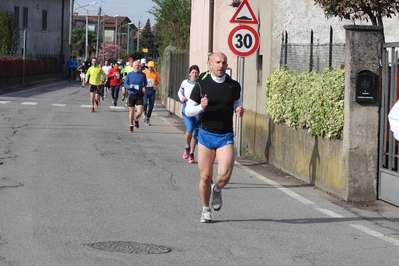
(310, 100)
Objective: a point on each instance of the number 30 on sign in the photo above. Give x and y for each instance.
(243, 40)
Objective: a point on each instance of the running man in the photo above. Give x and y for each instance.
(154, 82)
(191, 123)
(128, 68)
(106, 68)
(82, 69)
(135, 83)
(217, 97)
(95, 76)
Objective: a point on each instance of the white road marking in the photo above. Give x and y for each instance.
(86, 106)
(58, 104)
(28, 103)
(117, 107)
(328, 212)
(278, 186)
(4, 101)
(379, 235)
(318, 208)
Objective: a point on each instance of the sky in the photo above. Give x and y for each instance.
(135, 10)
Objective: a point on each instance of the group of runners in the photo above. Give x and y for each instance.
(137, 80)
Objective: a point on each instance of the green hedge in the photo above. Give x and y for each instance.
(310, 100)
(12, 67)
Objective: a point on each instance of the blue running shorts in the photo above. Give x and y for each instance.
(215, 141)
(191, 123)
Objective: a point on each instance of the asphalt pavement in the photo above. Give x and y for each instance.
(76, 188)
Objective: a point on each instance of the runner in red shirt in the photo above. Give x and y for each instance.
(115, 78)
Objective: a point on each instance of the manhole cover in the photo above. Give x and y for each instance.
(130, 247)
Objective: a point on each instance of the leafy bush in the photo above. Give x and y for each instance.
(308, 100)
(12, 67)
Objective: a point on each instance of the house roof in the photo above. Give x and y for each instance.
(109, 21)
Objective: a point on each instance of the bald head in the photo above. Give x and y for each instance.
(218, 64)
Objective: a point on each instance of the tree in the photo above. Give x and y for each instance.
(79, 42)
(173, 23)
(9, 32)
(373, 10)
(109, 51)
(147, 38)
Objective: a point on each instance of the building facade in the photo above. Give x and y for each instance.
(45, 23)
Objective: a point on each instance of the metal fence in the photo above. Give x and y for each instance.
(312, 57)
(178, 71)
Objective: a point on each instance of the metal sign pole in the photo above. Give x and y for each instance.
(239, 125)
(24, 58)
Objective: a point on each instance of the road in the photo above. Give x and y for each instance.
(76, 188)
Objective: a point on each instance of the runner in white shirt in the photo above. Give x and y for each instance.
(106, 68)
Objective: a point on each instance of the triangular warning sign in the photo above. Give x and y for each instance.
(244, 14)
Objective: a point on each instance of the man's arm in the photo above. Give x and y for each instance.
(157, 82)
(87, 75)
(103, 75)
(239, 109)
(126, 84)
(193, 108)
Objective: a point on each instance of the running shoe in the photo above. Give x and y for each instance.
(123, 98)
(148, 122)
(126, 103)
(96, 102)
(144, 118)
(216, 199)
(131, 129)
(92, 110)
(115, 103)
(206, 216)
(186, 154)
(136, 124)
(191, 158)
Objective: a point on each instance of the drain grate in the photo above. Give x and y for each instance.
(130, 247)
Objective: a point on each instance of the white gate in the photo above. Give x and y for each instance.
(388, 186)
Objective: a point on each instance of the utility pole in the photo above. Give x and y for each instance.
(98, 31)
(128, 38)
(87, 35)
(70, 24)
(138, 36)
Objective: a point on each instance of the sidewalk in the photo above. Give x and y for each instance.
(379, 208)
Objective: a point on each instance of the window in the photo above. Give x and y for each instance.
(16, 13)
(44, 20)
(25, 18)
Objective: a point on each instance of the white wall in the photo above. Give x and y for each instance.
(298, 18)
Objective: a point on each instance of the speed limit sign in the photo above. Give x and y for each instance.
(243, 40)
